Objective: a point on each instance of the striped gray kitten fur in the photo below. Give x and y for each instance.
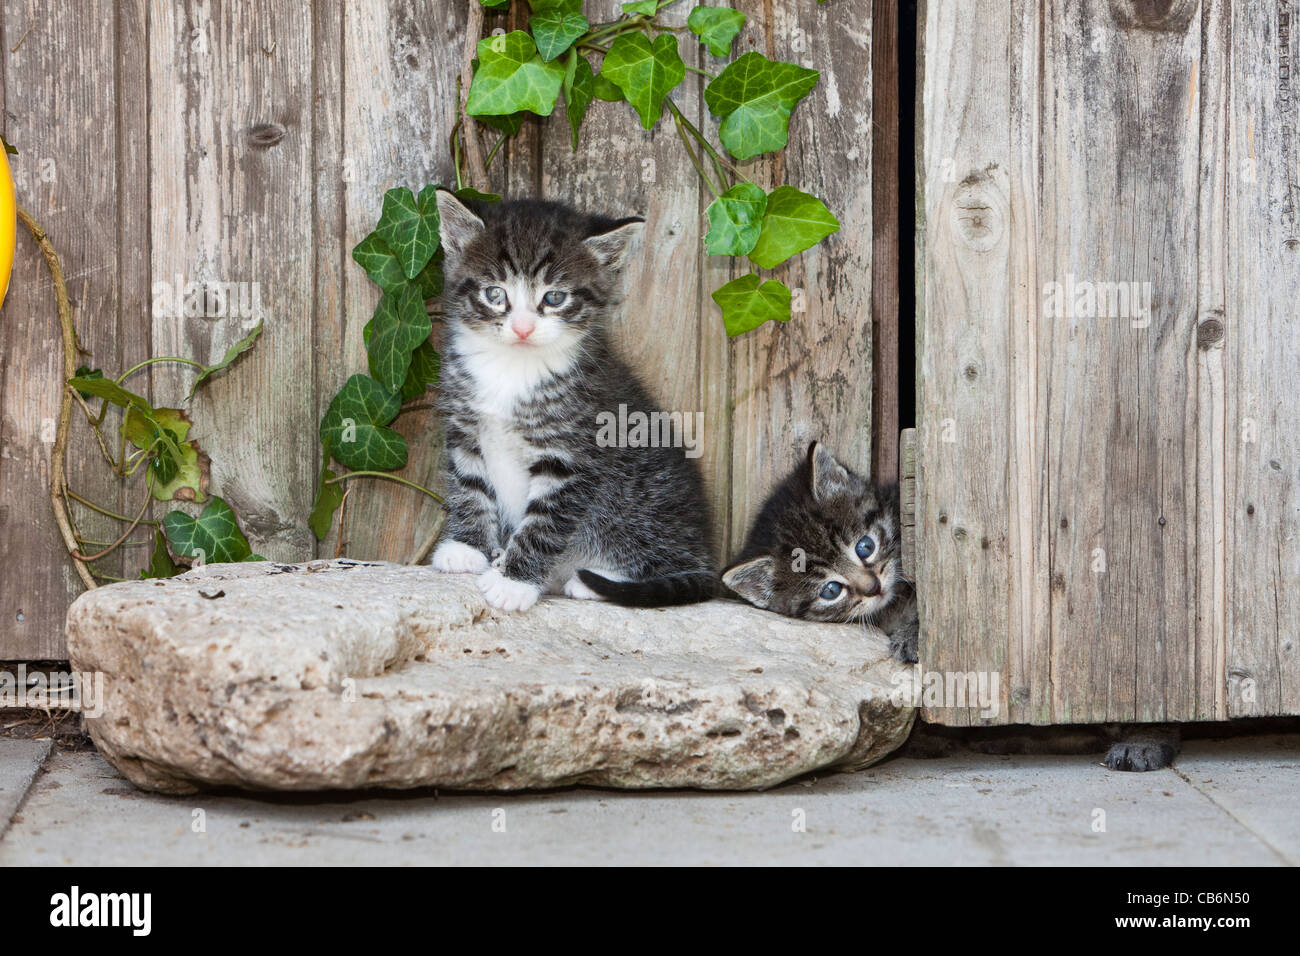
(535, 503)
(826, 547)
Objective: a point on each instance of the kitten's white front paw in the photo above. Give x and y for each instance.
(575, 589)
(454, 557)
(507, 594)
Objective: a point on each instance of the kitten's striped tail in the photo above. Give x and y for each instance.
(687, 588)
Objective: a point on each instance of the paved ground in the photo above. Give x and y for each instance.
(1226, 802)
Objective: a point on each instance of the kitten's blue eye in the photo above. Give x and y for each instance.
(555, 297)
(494, 294)
(866, 548)
(832, 590)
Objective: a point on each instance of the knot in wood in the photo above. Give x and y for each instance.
(265, 135)
(976, 219)
(1209, 334)
(1165, 16)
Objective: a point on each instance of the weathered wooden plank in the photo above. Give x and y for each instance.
(1122, 498)
(134, 325)
(59, 65)
(335, 172)
(1028, 675)
(231, 202)
(400, 67)
(1263, 362)
(811, 378)
(884, 245)
(966, 242)
(1209, 651)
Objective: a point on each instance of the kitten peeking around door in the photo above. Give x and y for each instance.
(536, 501)
(826, 547)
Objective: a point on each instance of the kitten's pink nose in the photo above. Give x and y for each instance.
(522, 326)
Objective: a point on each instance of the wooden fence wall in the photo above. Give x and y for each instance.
(233, 141)
(1108, 506)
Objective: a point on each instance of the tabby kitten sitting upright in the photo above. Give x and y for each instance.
(535, 503)
(826, 547)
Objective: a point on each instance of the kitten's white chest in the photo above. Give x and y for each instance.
(506, 458)
(502, 378)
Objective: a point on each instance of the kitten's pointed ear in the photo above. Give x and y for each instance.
(753, 580)
(458, 226)
(827, 477)
(610, 247)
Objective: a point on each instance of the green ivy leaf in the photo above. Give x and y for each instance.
(556, 26)
(755, 97)
(8, 147)
(141, 427)
(579, 90)
(232, 353)
(179, 467)
(646, 72)
(468, 192)
(409, 227)
(735, 220)
(429, 281)
(380, 263)
(426, 365)
(512, 76)
(354, 426)
(716, 26)
(161, 564)
(746, 304)
(211, 538)
(510, 124)
(794, 221)
(495, 4)
(603, 89)
(164, 466)
(398, 327)
(101, 387)
(84, 371)
(328, 499)
(647, 8)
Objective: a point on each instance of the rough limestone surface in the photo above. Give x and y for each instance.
(342, 674)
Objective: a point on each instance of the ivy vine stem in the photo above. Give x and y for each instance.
(107, 577)
(695, 160)
(135, 523)
(102, 510)
(720, 165)
(153, 361)
(389, 477)
(94, 424)
(58, 481)
(493, 151)
(622, 25)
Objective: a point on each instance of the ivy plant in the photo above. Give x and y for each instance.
(156, 441)
(564, 57)
(403, 256)
(638, 60)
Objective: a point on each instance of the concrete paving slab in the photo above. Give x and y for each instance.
(972, 809)
(1256, 780)
(20, 760)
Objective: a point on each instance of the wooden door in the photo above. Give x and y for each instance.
(1107, 468)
